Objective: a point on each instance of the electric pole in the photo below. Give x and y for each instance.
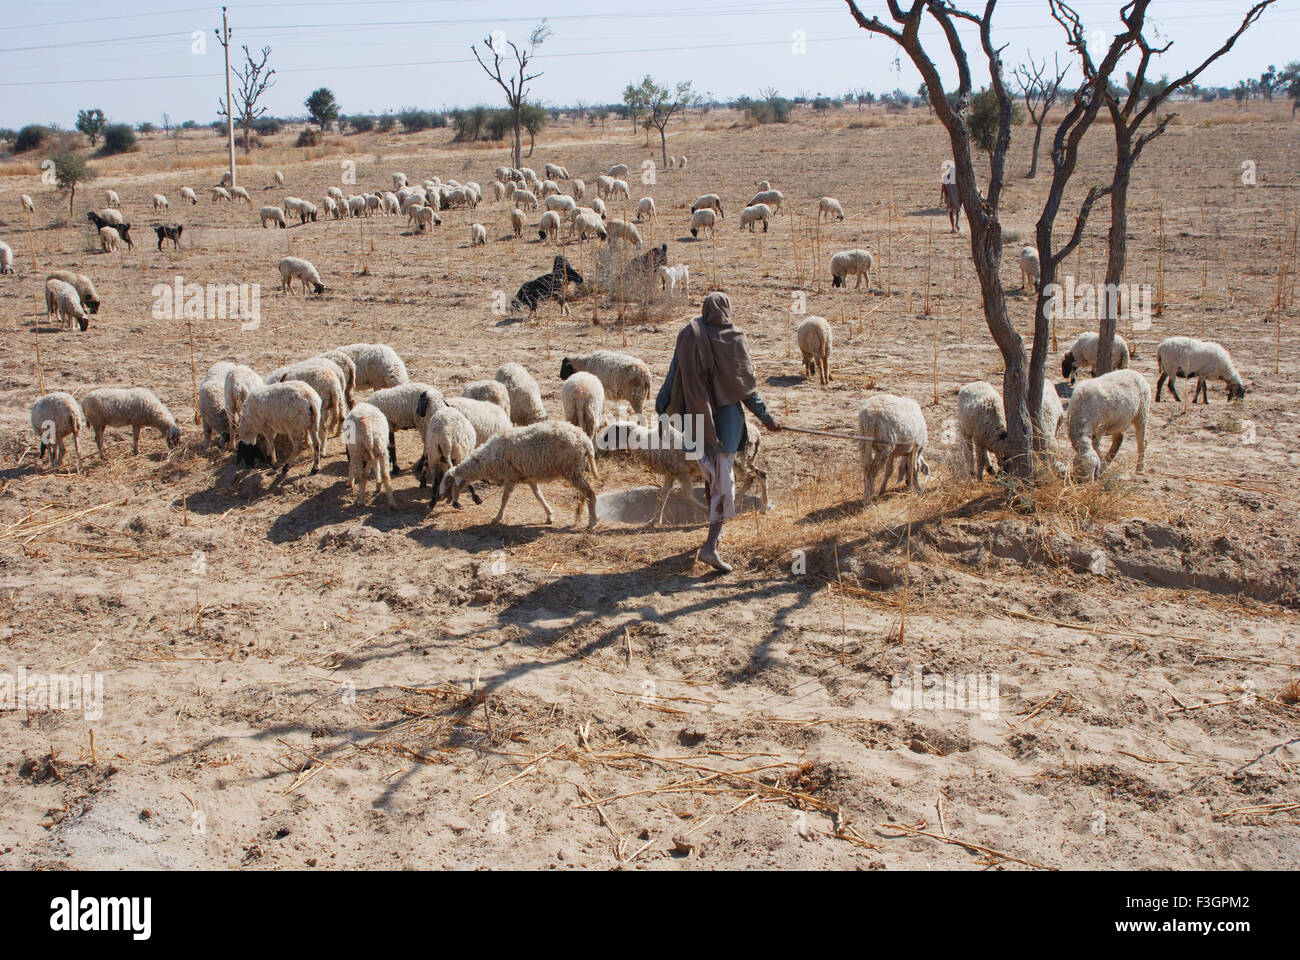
(230, 115)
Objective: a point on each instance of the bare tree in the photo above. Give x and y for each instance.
(659, 104)
(1039, 91)
(254, 80)
(515, 84)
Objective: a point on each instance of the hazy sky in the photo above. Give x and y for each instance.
(138, 59)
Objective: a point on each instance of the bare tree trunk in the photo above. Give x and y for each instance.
(1038, 136)
(1116, 247)
(663, 145)
(518, 139)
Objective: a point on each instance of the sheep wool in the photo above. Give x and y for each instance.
(1107, 406)
(525, 395)
(378, 365)
(366, 437)
(55, 417)
(583, 398)
(624, 377)
(212, 404)
(897, 430)
(134, 407)
(814, 338)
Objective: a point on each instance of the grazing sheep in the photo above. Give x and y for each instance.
(399, 181)
(366, 436)
(830, 207)
(549, 224)
(896, 427)
(133, 407)
(675, 277)
(62, 300)
(56, 416)
(325, 377)
(1084, 352)
(771, 198)
(498, 190)
(331, 207)
(561, 204)
(556, 172)
(549, 286)
(335, 192)
(487, 418)
(84, 285)
(356, 206)
(347, 371)
(109, 239)
(240, 382)
(27, 203)
(517, 220)
(850, 263)
(212, 404)
(478, 234)
(665, 454)
(187, 194)
(588, 225)
(525, 395)
(618, 230)
(598, 205)
(290, 409)
(159, 202)
(1029, 268)
(295, 268)
(645, 209)
(551, 450)
(112, 198)
(6, 258)
(982, 422)
(378, 365)
(489, 391)
(278, 178)
(220, 193)
(815, 338)
(604, 186)
(703, 219)
(549, 188)
(759, 212)
(1107, 405)
(617, 172)
(1203, 359)
(274, 215)
(619, 189)
(239, 193)
(448, 439)
(579, 189)
(422, 217)
(583, 397)
(525, 200)
(681, 161)
(624, 377)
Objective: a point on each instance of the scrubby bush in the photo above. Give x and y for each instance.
(266, 126)
(145, 127)
(30, 137)
(310, 138)
(386, 122)
(361, 122)
(118, 138)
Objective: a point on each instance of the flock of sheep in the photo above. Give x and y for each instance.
(498, 430)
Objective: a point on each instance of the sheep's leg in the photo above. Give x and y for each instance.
(382, 480)
(352, 470)
(473, 494)
(506, 489)
(363, 477)
(1140, 435)
(99, 442)
(392, 452)
(912, 471)
(537, 492)
(887, 458)
(664, 493)
(318, 447)
(76, 448)
(135, 438)
(1116, 439)
(589, 495)
(1160, 385)
(1204, 386)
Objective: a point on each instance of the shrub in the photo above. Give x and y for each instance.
(7, 134)
(30, 137)
(190, 125)
(386, 122)
(362, 123)
(266, 126)
(310, 138)
(118, 138)
(145, 127)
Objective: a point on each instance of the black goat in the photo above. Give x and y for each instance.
(549, 286)
(169, 233)
(123, 229)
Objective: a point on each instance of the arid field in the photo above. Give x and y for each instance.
(290, 680)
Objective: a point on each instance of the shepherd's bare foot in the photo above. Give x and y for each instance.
(712, 559)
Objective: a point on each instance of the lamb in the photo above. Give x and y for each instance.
(325, 377)
(378, 365)
(135, 407)
(525, 395)
(290, 408)
(1108, 404)
(815, 338)
(366, 435)
(517, 220)
(771, 198)
(645, 208)
(754, 214)
(896, 427)
(112, 198)
(624, 377)
(588, 225)
(618, 189)
(665, 454)
(212, 404)
(274, 215)
(240, 382)
(703, 219)
(579, 189)
(556, 172)
(671, 278)
(6, 258)
(84, 285)
(489, 391)
(220, 193)
(159, 201)
(982, 422)
(478, 234)
(1084, 351)
(27, 203)
(848, 263)
(448, 439)
(56, 416)
(549, 286)
(62, 300)
(295, 268)
(549, 224)
(239, 193)
(109, 239)
(830, 207)
(618, 230)
(583, 397)
(525, 200)
(551, 450)
(1029, 268)
(1203, 359)
(187, 194)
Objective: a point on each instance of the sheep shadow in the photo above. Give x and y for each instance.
(788, 380)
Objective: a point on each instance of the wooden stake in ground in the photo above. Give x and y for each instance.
(194, 374)
(929, 246)
(31, 239)
(36, 330)
(1159, 309)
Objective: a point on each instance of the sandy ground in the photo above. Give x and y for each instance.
(290, 680)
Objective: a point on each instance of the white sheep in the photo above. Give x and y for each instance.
(579, 189)
(1029, 268)
(278, 178)
(27, 203)
(272, 215)
(848, 263)
(549, 188)
(897, 430)
(583, 398)
(56, 416)
(982, 422)
(335, 192)
(604, 186)
(1083, 352)
(549, 224)
(291, 409)
(159, 201)
(112, 198)
(109, 239)
(815, 339)
(113, 218)
(525, 200)
(212, 404)
(556, 172)
(598, 205)
(347, 372)
(133, 407)
(498, 190)
(295, 268)
(84, 285)
(1204, 359)
(326, 378)
(488, 419)
(366, 437)
(188, 194)
(399, 181)
(621, 230)
(588, 225)
(619, 189)
(423, 218)
(617, 172)
(624, 377)
(62, 300)
(331, 207)
(551, 450)
(378, 365)
(1107, 405)
(561, 204)
(681, 162)
(240, 382)
(758, 213)
(830, 207)
(772, 198)
(489, 391)
(448, 439)
(239, 193)
(478, 234)
(220, 193)
(703, 219)
(6, 258)
(674, 278)
(517, 220)
(645, 209)
(525, 395)
(356, 206)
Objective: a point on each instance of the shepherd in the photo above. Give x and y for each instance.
(710, 376)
